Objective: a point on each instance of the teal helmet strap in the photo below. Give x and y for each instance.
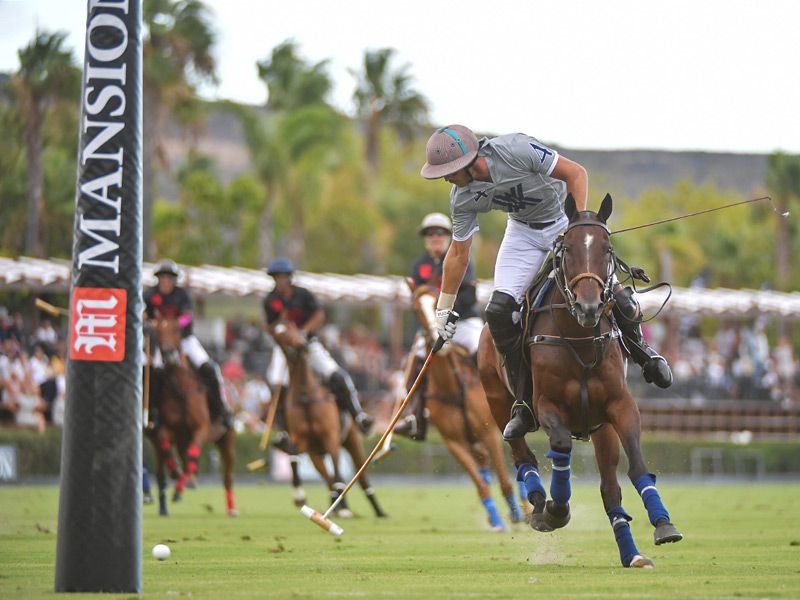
(454, 135)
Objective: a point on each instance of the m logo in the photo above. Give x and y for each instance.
(98, 324)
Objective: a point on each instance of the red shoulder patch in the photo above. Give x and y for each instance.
(425, 271)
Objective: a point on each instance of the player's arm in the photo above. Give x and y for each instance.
(455, 265)
(314, 323)
(576, 178)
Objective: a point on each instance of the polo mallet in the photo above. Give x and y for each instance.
(322, 519)
(273, 409)
(387, 448)
(49, 308)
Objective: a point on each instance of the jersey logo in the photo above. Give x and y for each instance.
(276, 305)
(515, 200)
(425, 271)
(480, 195)
(542, 153)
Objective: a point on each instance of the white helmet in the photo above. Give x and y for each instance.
(435, 220)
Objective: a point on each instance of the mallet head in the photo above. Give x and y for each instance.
(320, 520)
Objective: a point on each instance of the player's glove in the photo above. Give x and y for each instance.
(445, 328)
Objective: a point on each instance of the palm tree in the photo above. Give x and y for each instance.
(290, 144)
(47, 76)
(384, 96)
(177, 56)
(291, 82)
(783, 180)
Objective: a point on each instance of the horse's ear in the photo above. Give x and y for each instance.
(570, 208)
(411, 285)
(605, 208)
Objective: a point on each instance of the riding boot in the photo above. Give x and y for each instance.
(507, 337)
(655, 367)
(343, 389)
(415, 425)
(217, 407)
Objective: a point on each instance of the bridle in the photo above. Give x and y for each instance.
(567, 286)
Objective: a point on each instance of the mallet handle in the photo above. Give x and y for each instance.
(273, 408)
(436, 347)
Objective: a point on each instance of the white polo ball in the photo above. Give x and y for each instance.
(161, 551)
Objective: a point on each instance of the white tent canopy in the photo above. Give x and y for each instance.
(53, 276)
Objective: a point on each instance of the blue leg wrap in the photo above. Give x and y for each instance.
(529, 476)
(145, 480)
(516, 511)
(560, 490)
(486, 475)
(523, 491)
(622, 532)
(646, 486)
(491, 509)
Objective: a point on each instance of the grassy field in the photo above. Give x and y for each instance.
(741, 541)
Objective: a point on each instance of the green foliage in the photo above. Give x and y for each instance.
(291, 82)
(733, 245)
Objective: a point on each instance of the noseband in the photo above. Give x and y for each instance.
(567, 287)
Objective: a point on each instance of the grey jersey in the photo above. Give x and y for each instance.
(521, 185)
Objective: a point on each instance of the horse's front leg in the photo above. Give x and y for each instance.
(500, 402)
(164, 459)
(606, 453)
(227, 447)
(556, 513)
(624, 416)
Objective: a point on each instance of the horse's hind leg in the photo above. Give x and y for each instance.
(334, 485)
(606, 452)
(298, 493)
(461, 452)
(495, 452)
(227, 447)
(624, 415)
(354, 445)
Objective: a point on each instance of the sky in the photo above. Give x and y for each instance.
(712, 75)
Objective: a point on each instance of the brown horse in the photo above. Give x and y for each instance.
(579, 388)
(314, 425)
(458, 409)
(183, 421)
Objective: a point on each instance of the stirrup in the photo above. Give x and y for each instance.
(656, 370)
(364, 422)
(522, 421)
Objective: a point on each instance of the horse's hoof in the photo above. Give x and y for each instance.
(666, 534)
(537, 522)
(163, 512)
(499, 529)
(555, 515)
(381, 515)
(344, 513)
(191, 483)
(516, 515)
(299, 497)
(147, 498)
(232, 512)
(641, 562)
(177, 497)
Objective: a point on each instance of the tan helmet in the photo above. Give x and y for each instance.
(435, 220)
(449, 150)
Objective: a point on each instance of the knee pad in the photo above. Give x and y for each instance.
(499, 316)
(626, 304)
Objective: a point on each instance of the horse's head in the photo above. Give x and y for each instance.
(585, 262)
(288, 336)
(423, 300)
(168, 338)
